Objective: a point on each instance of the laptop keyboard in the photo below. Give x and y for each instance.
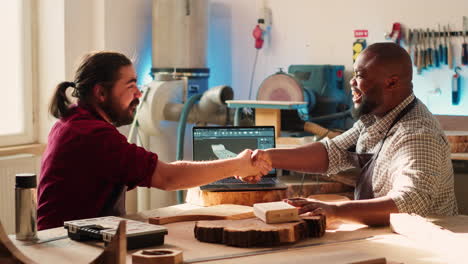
(232, 180)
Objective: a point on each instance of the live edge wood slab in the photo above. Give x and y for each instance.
(256, 233)
(207, 198)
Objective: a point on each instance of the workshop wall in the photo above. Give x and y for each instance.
(321, 32)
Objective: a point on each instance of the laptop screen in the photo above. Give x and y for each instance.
(211, 143)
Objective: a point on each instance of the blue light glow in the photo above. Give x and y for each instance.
(219, 51)
(144, 62)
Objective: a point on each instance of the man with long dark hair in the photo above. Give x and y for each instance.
(88, 165)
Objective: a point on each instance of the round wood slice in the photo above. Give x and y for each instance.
(316, 225)
(256, 233)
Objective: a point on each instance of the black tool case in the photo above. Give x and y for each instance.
(139, 234)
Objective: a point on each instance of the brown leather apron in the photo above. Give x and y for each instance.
(366, 161)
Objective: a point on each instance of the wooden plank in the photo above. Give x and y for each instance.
(195, 217)
(455, 123)
(190, 212)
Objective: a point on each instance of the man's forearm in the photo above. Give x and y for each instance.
(312, 157)
(185, 174)
(370, 212)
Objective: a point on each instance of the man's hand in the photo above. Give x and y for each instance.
(314, 207)
(260, 157)
(248, 171)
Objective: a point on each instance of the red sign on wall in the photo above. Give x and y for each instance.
(361, 33)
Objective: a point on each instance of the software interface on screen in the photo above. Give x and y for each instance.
(220, 143)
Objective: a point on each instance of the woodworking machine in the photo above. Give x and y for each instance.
(321, 86)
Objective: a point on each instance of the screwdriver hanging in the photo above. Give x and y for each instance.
(441, 47)
(423, 50)
(419, 52)
(449, 50)
(445, 46)
(435, 50)
(430, 50)
(464, 46)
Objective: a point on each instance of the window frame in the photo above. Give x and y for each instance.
(28, 134)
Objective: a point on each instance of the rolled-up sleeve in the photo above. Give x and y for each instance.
(337, 149)
(125, 163)
(416, 172)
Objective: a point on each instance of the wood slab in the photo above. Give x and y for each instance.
(329, 197)
(206, 198)
(256, 233)
(458, 141)
(217, 212)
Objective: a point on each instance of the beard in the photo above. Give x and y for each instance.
(119, 117)
(366, 107)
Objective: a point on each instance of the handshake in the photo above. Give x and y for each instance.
(253, 165)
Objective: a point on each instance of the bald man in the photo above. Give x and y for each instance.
(403, 154)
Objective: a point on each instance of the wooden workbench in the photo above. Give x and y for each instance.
(381, 242)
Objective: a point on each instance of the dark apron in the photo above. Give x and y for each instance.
(115, 204)
(366, 161)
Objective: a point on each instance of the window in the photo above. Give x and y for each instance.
(16, 102)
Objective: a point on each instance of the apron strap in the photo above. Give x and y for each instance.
(364, 188)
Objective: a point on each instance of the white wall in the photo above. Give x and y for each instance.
(321, 32)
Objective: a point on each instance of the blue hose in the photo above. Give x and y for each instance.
(181, 134)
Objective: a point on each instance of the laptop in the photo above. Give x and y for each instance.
(212, 143)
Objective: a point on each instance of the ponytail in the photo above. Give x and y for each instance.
(96, 68)
(60, 103)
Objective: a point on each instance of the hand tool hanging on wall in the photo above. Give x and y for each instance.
(415, 48)
(420, 52)
(430, 57)
(409, 44)
(445, 46)
(449, 49)
(415, 41)
(424, 49)
(464, 46)
(441, 47)
(435, 51)
(456, 82)
(396, 34)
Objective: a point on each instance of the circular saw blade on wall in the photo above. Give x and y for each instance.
(280, 87)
